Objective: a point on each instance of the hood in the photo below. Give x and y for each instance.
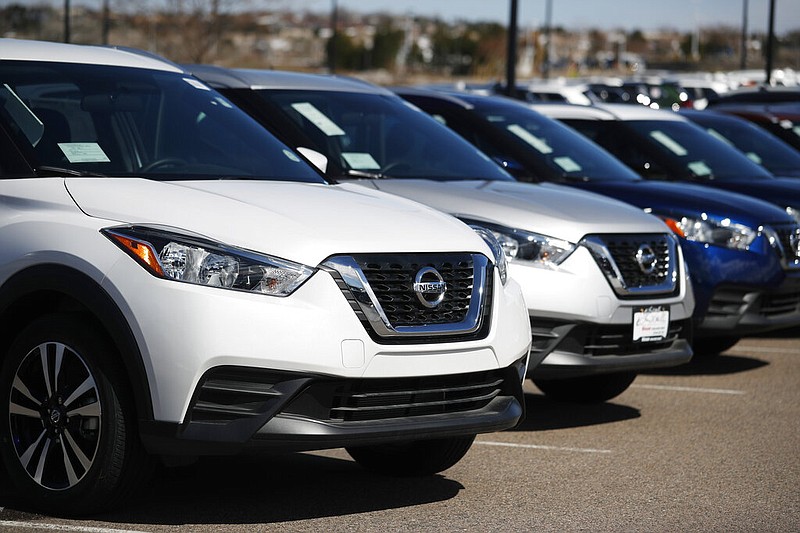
(301, 222)
(552, 210)
(686, 199)
(784, 192)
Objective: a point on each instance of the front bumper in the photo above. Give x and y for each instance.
(238, 409)
(582, 349)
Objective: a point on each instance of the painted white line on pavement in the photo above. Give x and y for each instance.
(687, 389)
(765, 349)
(62, 527)
(541, 447)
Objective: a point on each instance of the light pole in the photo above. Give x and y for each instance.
(770, 40)
(548, 15)
(66, 21)
(332, 43)
(511, 58)
(743, 53)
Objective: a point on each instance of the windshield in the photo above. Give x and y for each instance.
(108, 120)
(760, 146)
(375, 135)
(697, 153)
(565, 152)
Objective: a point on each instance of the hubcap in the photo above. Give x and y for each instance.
(55, 416)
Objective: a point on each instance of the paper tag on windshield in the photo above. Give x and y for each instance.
(360, 161)
(84, 153)
(529, 138)
(699, 168)
(671, 144)
(567, 164)
(318, 118)
(650, 324)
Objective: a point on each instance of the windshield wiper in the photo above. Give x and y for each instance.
(573, 178)
(351, 173)
(46, 170)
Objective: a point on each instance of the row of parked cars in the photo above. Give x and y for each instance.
(198, 261)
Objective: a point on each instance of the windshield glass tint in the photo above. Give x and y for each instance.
(381, 135)
(699, 154)
(760, 146)
(119, 121)
(565, 152)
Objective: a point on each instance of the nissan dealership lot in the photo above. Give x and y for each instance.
(711, 446)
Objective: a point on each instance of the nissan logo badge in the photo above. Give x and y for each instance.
(646, 258)
(429, 287)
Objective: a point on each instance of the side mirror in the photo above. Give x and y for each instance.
(317, 159)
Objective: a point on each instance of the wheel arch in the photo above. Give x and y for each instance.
(43, 289)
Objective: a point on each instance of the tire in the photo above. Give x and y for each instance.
(711, 346)
(416, 458)
(587, 389)
(67, 430)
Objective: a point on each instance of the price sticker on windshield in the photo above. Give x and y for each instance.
(650, 324)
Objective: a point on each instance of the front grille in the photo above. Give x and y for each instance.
(789, 239)
(623, 249)
(380, 399)
(636, 264)
(392, 280)
(380, 289)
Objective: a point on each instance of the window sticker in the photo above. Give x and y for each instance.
(318, 118)
(531, 139)
(360, 161)
(84, 153)
(567, 164)
(669, 143)
(699, 168)
(754, 157)
(197, 84)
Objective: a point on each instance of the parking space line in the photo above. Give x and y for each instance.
(765, 349)
(541, 447)
(688, 389)
(63, 527)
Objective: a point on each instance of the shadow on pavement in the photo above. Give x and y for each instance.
(543, 413)
(711, 365)
(264, 490)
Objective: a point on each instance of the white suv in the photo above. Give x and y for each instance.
(174, 281)
(606, 285)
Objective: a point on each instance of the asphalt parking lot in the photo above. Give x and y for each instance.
(711, 446)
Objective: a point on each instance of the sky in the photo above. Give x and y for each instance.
(628, 15)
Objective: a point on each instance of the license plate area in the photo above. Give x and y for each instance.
(650, 324)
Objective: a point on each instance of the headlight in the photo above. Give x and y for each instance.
(196, 260)
(720, 233)
(497, 251)
(794, 213)
(532, 248)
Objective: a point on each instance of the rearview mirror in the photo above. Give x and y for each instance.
(317, 159)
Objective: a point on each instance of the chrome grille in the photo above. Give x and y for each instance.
(789, 244)
(630, 275)
(380, 289)
(392, 281)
